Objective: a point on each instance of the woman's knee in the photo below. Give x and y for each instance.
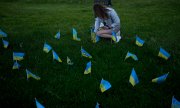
(103, 32)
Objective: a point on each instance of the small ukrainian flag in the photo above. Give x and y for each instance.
(88, 68)
(5, 43)
(16, 65)
(2, 34)
(69, 62)
(56, 57)
(97, 105)
(104, 85)
(133, 78)
(163, 54)
(139, 41)
(29, 75)
(38, 105)
(133, 56)
(57, 36)
(85, 53)
(94, 37)
(75, 35)
(114, 37)
(18, 56)
(47, 48)
(160, 79)
(175, 103)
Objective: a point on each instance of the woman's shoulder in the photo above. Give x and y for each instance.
(110, 9)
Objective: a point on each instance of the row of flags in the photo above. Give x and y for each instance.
(135, 80)
(19, 56)
(47, 48)
(84, 53)
(74, 32)
(162, 52)
(4, 35)
(175, 103)
(104, 84)
(95, 38)
(139, 42)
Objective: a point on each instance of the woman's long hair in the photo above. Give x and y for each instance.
(100, 11)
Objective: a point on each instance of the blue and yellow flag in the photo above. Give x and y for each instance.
(57, 36)
(175, 103)
(139, 41)
(160, 79)
(133, 56)
(114, 37)
(69, 62)
(88, 68)
(94, 37)
(5, 43)
(75, 35)
(47, 48)
(16, 65)
(85, 53)
(2, 34)
(97, 105)
(133, 78)
(31, 75)
(18, 56)
(105, 85)
(163, 54)
(38, 105)
(55, 56)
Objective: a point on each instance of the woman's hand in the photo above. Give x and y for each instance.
(105, 28)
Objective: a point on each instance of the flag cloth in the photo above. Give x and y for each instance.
(57, 36)
(139, 41)
(29, 75)
(105, 85)
(175, 103)
(160, 79)
(38, 105)
(47, 48)
(2, 34)
(75, 35)
(133, 56)
(85, 53)
(163, 54)
(69, 62)
(114, 37)
(18, 56)
(88, 68)
(56, 57)
(16, 65)
(5, 43)
(97, 105)
(133, 78)
(94, 37)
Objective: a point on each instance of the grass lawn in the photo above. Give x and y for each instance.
(29, 25)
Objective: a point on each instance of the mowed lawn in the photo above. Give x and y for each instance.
(30, 25)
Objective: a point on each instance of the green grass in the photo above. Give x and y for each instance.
(63, 86)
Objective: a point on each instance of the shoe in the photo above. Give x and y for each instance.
(118, 38)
